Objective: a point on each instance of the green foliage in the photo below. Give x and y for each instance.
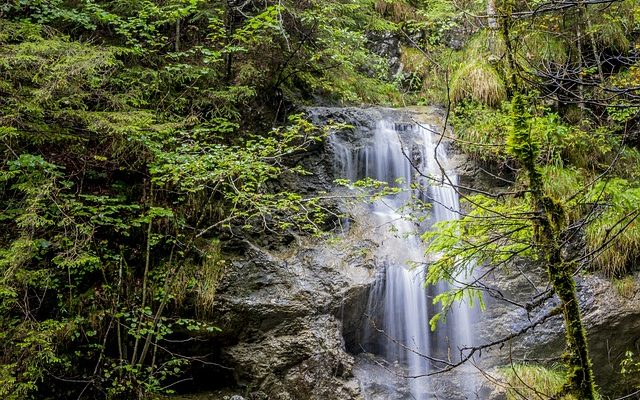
(566, 132)
(480, 130)
(134, 134)
(59, 242)
(483, 132)
(34, 350)
(630, 369)
(611, 33)
(340, 50)
(438, 18)
(630, 364)
(495, 232)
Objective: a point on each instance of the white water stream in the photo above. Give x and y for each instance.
(400, 305)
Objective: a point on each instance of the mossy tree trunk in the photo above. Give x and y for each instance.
(549, 224)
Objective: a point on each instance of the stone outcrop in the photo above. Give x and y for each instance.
(282, 316)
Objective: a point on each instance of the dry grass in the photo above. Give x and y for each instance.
(478, 81)
(208, 278)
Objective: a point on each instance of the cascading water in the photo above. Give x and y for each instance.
(399, 308)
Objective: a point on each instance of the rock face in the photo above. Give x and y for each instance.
(613, 327)
(612, 322)
(285, 313)
(290, 316)
(387, 45)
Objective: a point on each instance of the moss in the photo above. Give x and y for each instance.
(396, 10)
(413, 60)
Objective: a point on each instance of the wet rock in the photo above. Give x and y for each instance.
(379, 379)
(386, 45)
(308, 364)
(281, 317)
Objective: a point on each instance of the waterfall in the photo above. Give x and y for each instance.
(400, 306)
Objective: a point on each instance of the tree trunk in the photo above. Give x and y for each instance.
(581, 64)
(584, 14)
(548, 224)
(492, 18)
(580, 372)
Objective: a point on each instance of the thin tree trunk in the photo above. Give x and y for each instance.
(177, 42)
(492, 18)
(592, 38)
(580, 63)
(145, 280)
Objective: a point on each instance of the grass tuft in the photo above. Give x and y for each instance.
(625, 287)
(563, 183)
(485, 45)
(611, 35)
(614, 236)
(200, 281)
(527, 381)
(540, 47)
(209, 275)
(478, 81)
